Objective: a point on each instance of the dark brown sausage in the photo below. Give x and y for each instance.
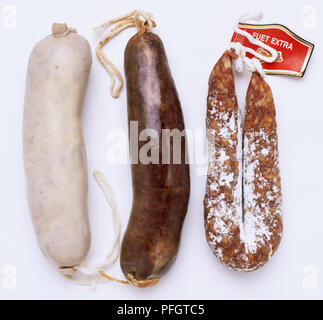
(160, 191)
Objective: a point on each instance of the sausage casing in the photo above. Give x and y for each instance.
(243, 195)
(160, 191)
(54, 153)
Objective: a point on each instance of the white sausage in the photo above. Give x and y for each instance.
(54, 154)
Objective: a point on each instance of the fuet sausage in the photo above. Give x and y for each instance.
(54, 154)
(161, 189)
(243, 195)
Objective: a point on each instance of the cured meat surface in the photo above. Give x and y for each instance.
(243, 194)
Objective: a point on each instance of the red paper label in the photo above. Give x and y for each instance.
(294, 52)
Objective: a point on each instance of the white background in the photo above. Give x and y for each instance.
(195, 33)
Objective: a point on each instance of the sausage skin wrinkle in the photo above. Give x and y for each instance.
(160, 191)
(54, 154)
